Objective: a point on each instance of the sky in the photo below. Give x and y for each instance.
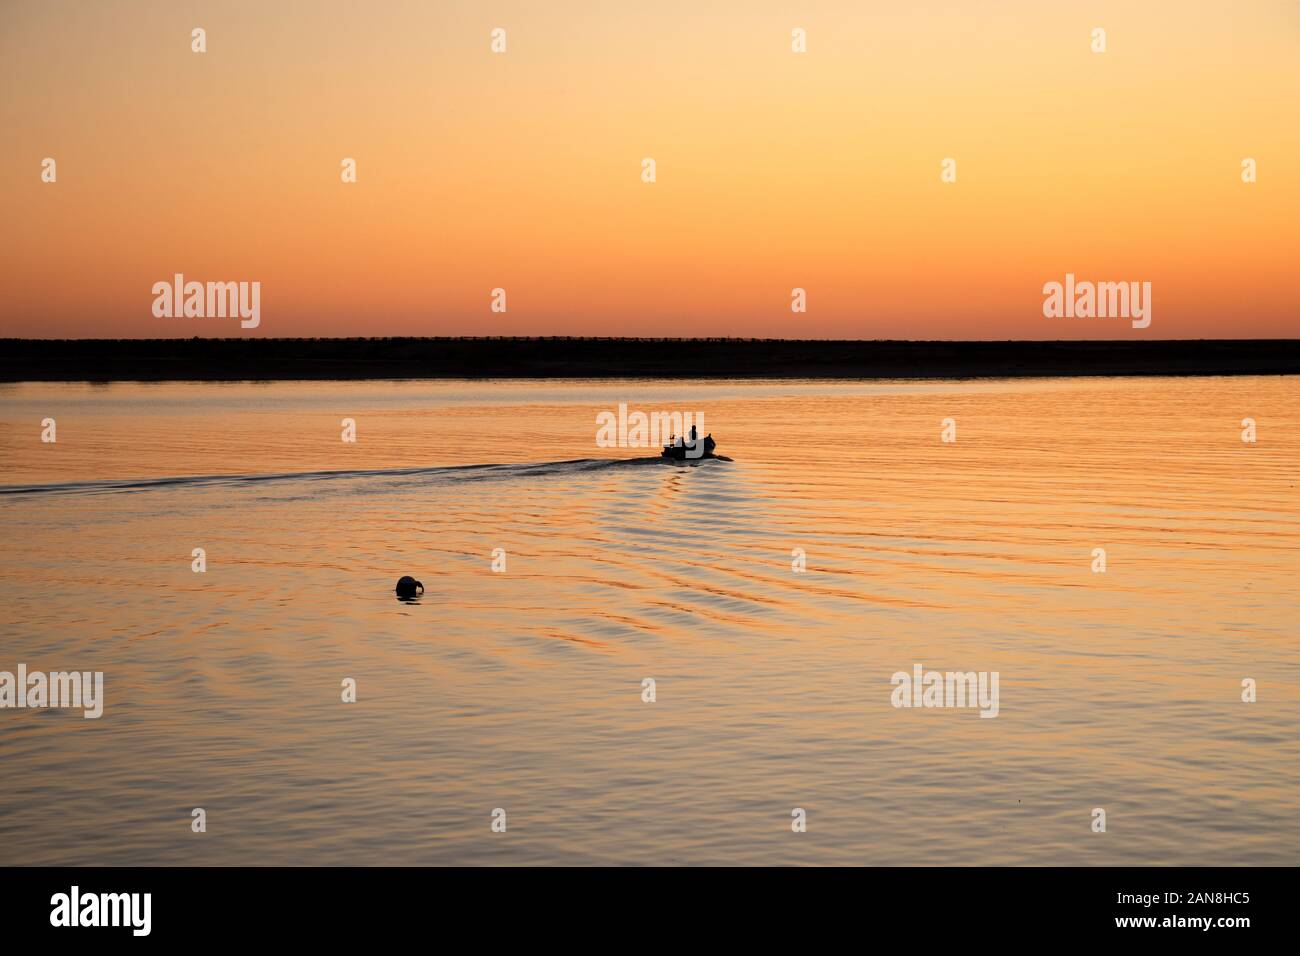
(774, 170)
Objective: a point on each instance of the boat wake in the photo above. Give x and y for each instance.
(451, 473)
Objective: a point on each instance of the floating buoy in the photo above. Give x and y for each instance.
(408, 587)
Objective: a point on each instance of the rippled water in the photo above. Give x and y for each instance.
(523, 690)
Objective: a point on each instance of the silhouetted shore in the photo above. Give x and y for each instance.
(237, 359)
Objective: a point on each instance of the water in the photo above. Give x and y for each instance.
(522, 690)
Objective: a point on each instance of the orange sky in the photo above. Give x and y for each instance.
(775, 170)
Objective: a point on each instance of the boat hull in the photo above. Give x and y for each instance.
(691, 452)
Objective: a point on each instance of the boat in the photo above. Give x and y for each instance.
(701, 448)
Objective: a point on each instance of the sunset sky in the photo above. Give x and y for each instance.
(775, 170)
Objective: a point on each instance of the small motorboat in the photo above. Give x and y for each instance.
(692, 451)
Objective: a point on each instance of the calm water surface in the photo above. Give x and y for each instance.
(522, 690)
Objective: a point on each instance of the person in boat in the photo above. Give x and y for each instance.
(694, 435)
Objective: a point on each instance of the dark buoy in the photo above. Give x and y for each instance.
(408, 587)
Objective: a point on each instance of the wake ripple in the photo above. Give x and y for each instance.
(449, 473)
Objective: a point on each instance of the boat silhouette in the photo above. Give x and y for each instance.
(691, 450)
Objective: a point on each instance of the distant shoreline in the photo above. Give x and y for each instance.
(262, 359)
